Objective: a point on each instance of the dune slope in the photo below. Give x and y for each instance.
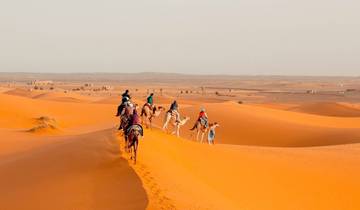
(199, 176)
(20, 112)
(253, 125)
(73, 172)
(328, 109)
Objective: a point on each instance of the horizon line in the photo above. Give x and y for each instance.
(185, 74)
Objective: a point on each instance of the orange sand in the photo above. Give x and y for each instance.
(82, 165)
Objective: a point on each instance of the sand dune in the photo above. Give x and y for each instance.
(22, 92)
(82, 166)
(199, 176)
(52, 96)
(109, 100)
(78, 172)
(64, 97)
(328, 109)
(18, 113)
(254, 125)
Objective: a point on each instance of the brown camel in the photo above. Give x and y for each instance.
(200, 128)
(148, 113)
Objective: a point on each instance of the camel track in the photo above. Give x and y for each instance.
(157, 196)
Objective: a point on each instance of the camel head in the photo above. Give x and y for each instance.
(161, 108)
(183, 121)
(214, 125)
(157, 110)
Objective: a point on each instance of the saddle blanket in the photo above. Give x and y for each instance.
(136, 127)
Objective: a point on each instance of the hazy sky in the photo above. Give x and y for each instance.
(292, 37)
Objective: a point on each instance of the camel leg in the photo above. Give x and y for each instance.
(167, 119)
(165, 125)
(202, 137)
(143, 119)
(178, 131)
(174, 132)
(197, 135)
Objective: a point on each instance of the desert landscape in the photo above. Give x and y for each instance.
(284, 143)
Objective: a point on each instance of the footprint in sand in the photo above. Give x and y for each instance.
(153, 189)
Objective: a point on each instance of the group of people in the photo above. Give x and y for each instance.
(134, 119)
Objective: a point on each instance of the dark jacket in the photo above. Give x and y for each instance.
(123, 97)
(174, 106)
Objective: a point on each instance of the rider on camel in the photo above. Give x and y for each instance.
(125, 102)
(125, 98)
(203, 118)
(134, 121)
(174, 110)
(150, 100)
(125, 94)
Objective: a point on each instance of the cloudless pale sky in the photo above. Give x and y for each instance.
(283, 37)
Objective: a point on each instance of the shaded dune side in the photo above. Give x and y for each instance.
(252, 125)
(328, 109)
(80, 172)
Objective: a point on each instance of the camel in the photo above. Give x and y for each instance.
(178, 124)
(125, 116)
(168, 116)
(200, 128)
(148, 114)
(132, 143)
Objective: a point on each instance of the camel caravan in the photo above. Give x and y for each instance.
(131, 124)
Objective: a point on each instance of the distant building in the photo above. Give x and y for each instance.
(88, 85)
(41, 82)
(107, 88)
(311, 91)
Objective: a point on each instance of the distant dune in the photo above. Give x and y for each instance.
(65, 97)
(253, 125)
(19, 112)
(328, 109)
(22, 92)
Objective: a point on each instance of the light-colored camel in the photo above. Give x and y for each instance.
(168, 116)
(148, 114)
(178, 124)
(200, 128)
